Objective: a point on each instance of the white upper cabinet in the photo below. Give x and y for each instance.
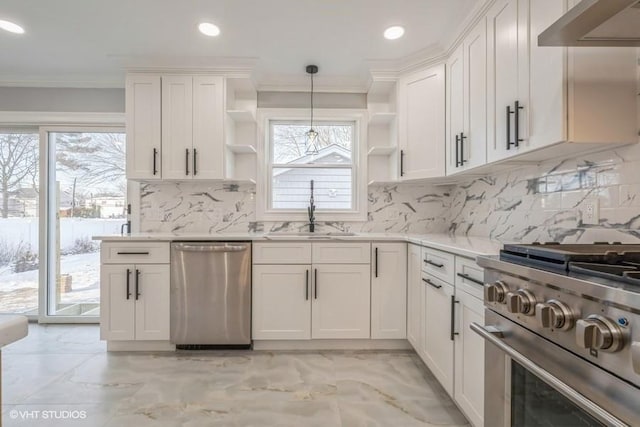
(208, 122)
(507, 71)
(176, 128)
(564, 100)
(143, 126)
(192, 132)
(467, 102)
(421, 111)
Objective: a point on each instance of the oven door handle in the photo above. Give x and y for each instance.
(493, 335)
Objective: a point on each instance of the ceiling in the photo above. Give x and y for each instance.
(91, 42)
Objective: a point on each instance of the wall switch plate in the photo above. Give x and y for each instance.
(590, 211)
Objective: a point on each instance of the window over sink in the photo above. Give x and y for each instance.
(290, 165)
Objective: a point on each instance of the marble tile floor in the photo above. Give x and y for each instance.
(61, 375)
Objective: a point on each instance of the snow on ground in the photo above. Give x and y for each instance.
(19, 291)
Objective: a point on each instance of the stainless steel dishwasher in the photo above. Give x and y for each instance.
(210, 294)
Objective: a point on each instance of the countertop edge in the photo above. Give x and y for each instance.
(458, 245)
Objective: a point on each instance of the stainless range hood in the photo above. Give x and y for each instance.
(596, 23)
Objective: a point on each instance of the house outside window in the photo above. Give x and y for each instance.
(338, 169)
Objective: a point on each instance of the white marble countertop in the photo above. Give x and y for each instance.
(12, 328)
(468, 246)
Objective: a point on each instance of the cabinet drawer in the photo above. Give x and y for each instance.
(469, 277)
(134, 253)
(282, 253)
(439, 264)
(341, 253)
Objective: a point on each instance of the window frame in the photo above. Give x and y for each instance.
(358, 212)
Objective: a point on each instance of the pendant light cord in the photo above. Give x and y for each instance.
(311, 101)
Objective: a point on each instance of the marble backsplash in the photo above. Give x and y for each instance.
(542, 202)
(531, 203)
(186, 207)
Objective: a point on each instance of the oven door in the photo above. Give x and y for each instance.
(529, 381)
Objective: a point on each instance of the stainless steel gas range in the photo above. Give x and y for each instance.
(562, 326)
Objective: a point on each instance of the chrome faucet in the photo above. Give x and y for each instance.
(311, 209)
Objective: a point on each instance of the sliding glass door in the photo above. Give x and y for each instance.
(86, 196)
(19, 221)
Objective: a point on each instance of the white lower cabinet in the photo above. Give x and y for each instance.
(134, 302)
(469, 358)
(415, 330)
(319, 300)
(341, 301)
(389, 291)
(438, 342)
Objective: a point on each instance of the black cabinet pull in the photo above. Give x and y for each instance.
(516, 119)
(186, 161)
(132, 253)
(155, 161)
(195, 156)
(462, 138)
(431, 283)
(306, 293)
(509, 112)
(315, 282)
(376, 262)
(435, 264)
(453, 317)
(128, 283)
(471, 279)
(457, 150)
(137, 284)
(401, 162)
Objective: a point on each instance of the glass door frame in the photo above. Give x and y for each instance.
(47, 271)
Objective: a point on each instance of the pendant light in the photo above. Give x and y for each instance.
(312, 135)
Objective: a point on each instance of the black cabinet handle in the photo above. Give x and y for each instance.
(195, 157)
(306, 292)
(462, 138)
(155, 161)
(128, 283)
(435, 264)
(516, 119)
(457, 150)
(137, 284)
(132, 253)
(315, 282)
(186, 161)
(471, 279)
(509, 112)
(453, 317)
(401, 162)
(376, 262)
(431, 283)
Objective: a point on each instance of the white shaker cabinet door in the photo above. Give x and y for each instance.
(117, 302)
(414, 297)
(341, 301)
(389, 290)
(281, 302)
(151, 290)
(438, 345)
(207, 159)
(177, 127)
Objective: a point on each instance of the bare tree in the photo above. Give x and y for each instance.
(18, 160)
(292, 139)
(96, 159)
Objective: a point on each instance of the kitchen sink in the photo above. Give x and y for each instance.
(309, 235)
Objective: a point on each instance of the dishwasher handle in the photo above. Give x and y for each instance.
(210, 247)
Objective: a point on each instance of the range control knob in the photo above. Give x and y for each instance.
(599, 333)
(496, 292)
(521, 301)
(555, 314)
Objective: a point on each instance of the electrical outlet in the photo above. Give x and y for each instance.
(590, 212)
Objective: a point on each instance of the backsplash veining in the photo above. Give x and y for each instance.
(185, 207)
(542, 203)
(532, 203)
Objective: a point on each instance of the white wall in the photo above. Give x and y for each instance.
(67, 100)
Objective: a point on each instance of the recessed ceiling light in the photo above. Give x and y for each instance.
(394, 32)
(209, 29)
(11, 27)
